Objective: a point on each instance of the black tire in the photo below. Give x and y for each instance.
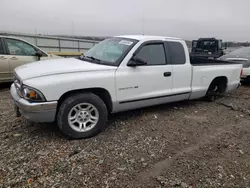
(215, 91)
(73, 100)
(211, 98)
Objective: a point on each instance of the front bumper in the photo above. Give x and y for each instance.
(34, 111)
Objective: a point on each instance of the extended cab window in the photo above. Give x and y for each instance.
(177, 53)
(1, 47)
(153, 54)
(17, 47)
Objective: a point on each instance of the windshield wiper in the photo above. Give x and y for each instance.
(93, 58)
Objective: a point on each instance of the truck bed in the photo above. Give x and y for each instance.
(205, 70)
(206, 62)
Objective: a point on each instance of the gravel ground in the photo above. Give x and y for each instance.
(187, 144)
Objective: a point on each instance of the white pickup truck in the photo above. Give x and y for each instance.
(118, 74)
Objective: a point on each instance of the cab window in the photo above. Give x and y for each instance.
(17, 47)
(177, 53)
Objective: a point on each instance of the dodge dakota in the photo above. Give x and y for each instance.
(118, 74)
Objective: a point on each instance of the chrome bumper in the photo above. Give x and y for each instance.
(34, 111)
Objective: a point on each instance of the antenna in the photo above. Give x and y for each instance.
(143, 21)
(143, 24)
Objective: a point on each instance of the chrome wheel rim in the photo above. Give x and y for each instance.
(83, 117)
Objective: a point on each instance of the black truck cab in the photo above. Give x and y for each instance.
(207, 48)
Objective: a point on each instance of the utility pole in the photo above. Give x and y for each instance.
(72, 27)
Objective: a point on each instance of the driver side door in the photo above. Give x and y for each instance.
(145, 85)
(19, 53)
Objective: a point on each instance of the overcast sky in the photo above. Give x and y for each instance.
(188, 19)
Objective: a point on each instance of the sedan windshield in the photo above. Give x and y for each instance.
(245, 51)
(110, 51)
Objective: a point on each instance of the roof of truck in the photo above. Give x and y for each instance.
(144, 37)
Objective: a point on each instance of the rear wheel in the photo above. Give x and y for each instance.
(82, 115)
(216, 90)
(212, 93)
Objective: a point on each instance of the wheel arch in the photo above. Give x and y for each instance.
(100, 92)
(222, 80)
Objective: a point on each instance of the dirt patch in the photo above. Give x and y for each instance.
(186, 144)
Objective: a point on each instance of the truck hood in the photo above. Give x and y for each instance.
(58, 66)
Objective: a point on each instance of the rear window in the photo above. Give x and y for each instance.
(177, 53)
(1, 47)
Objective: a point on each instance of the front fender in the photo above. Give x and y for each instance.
(54, 86)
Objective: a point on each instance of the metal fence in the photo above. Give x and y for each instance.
(55, 44)
(64, 44)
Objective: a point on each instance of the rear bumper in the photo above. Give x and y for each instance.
(245, 78)
(36, 112)
(245, 74)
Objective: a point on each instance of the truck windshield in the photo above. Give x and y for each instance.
(206, 44)
(110, 51)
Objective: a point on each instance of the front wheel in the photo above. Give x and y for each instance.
(82, 115)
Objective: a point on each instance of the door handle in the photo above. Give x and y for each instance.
(167, 74)
(14, 58)
(2, 57)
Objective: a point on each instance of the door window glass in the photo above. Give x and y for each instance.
(1, 47)
(153, 54)
(17, 47)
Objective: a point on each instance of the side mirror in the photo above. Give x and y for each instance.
(39, 54)
(134, 61)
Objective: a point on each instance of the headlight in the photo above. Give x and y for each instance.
(32, 94)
